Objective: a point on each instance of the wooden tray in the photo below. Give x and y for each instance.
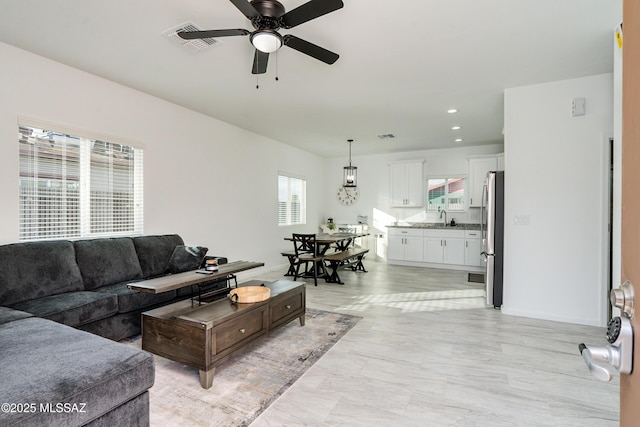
(250, 294)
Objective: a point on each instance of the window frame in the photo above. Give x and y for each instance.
(286, 217)
(118, 185)
(446, 195)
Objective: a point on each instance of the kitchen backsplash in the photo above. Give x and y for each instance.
(470, 216)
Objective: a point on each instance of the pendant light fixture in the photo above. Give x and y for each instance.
(350, 175)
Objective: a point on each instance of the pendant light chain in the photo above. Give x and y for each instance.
(350, 141)
(257, 68)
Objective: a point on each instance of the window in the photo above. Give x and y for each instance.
(292, 200)
(75, 187)
(445, 193)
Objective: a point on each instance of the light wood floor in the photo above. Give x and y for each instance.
(429, 353)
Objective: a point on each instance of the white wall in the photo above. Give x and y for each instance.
(556, 174)
(210, 182)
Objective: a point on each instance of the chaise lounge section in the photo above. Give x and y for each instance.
(52, 294)
(56, 375)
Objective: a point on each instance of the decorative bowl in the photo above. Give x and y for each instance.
(249, 294)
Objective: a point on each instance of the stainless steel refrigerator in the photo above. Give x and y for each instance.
(492, 227)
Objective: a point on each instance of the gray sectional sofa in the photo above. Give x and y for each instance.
(51, 294)
(55, 375)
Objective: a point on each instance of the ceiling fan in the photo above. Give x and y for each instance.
(267, 16)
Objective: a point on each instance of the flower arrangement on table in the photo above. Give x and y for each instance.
(330, 226)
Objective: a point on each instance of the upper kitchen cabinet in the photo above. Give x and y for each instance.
(406, 184)
(478, 168)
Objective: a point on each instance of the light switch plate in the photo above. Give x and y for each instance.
(578, 107)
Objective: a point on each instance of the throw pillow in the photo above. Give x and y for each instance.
(186, 258)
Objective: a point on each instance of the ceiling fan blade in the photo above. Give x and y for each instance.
(308, 11)
(310, 49)
(260, 61)
(246, 8)
(192, 35)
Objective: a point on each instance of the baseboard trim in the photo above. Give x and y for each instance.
(552, 317)
(435, 265)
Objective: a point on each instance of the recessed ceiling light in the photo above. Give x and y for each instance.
(458, 140)
(456, 128)
(452, 110)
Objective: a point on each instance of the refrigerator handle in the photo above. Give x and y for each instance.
(490, 209)
(484, 192)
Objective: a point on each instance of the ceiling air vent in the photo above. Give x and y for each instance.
(386, 136)
(192, 45)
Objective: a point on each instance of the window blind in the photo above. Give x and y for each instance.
(292, 204)
(73, 186)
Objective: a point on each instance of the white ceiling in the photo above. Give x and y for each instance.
(402, 63)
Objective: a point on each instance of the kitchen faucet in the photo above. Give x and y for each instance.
(445, 216)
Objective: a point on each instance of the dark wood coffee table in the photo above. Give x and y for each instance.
(205, 335)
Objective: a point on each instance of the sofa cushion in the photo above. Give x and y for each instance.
(9, 315)
(129, 300)
(186, 258)
(47, 363)
(107, 261)
(154, 253)
(37, 269)
(132, 413)
(73, 308)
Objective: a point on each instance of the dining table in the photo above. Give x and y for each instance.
(338, 241)
(327, 244)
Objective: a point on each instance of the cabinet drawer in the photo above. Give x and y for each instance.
(286, 306)
(236, 330)
(472, 234)
(406, 232)
(444, 233)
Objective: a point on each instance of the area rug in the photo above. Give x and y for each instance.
(476, 278)
(247, 383)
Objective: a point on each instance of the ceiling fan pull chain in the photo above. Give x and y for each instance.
(276, 65)
(257, 81)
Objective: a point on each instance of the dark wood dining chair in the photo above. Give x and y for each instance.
(306, 252)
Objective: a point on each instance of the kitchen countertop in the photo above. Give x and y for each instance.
(437, 226)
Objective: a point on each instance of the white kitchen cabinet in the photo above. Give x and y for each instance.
(404, 244)
(433, 249)
(472, 248)
(478, 168)
(406, 184)
(453, 251)
(444, 246)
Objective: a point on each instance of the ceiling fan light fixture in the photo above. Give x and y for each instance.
(266, 41)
